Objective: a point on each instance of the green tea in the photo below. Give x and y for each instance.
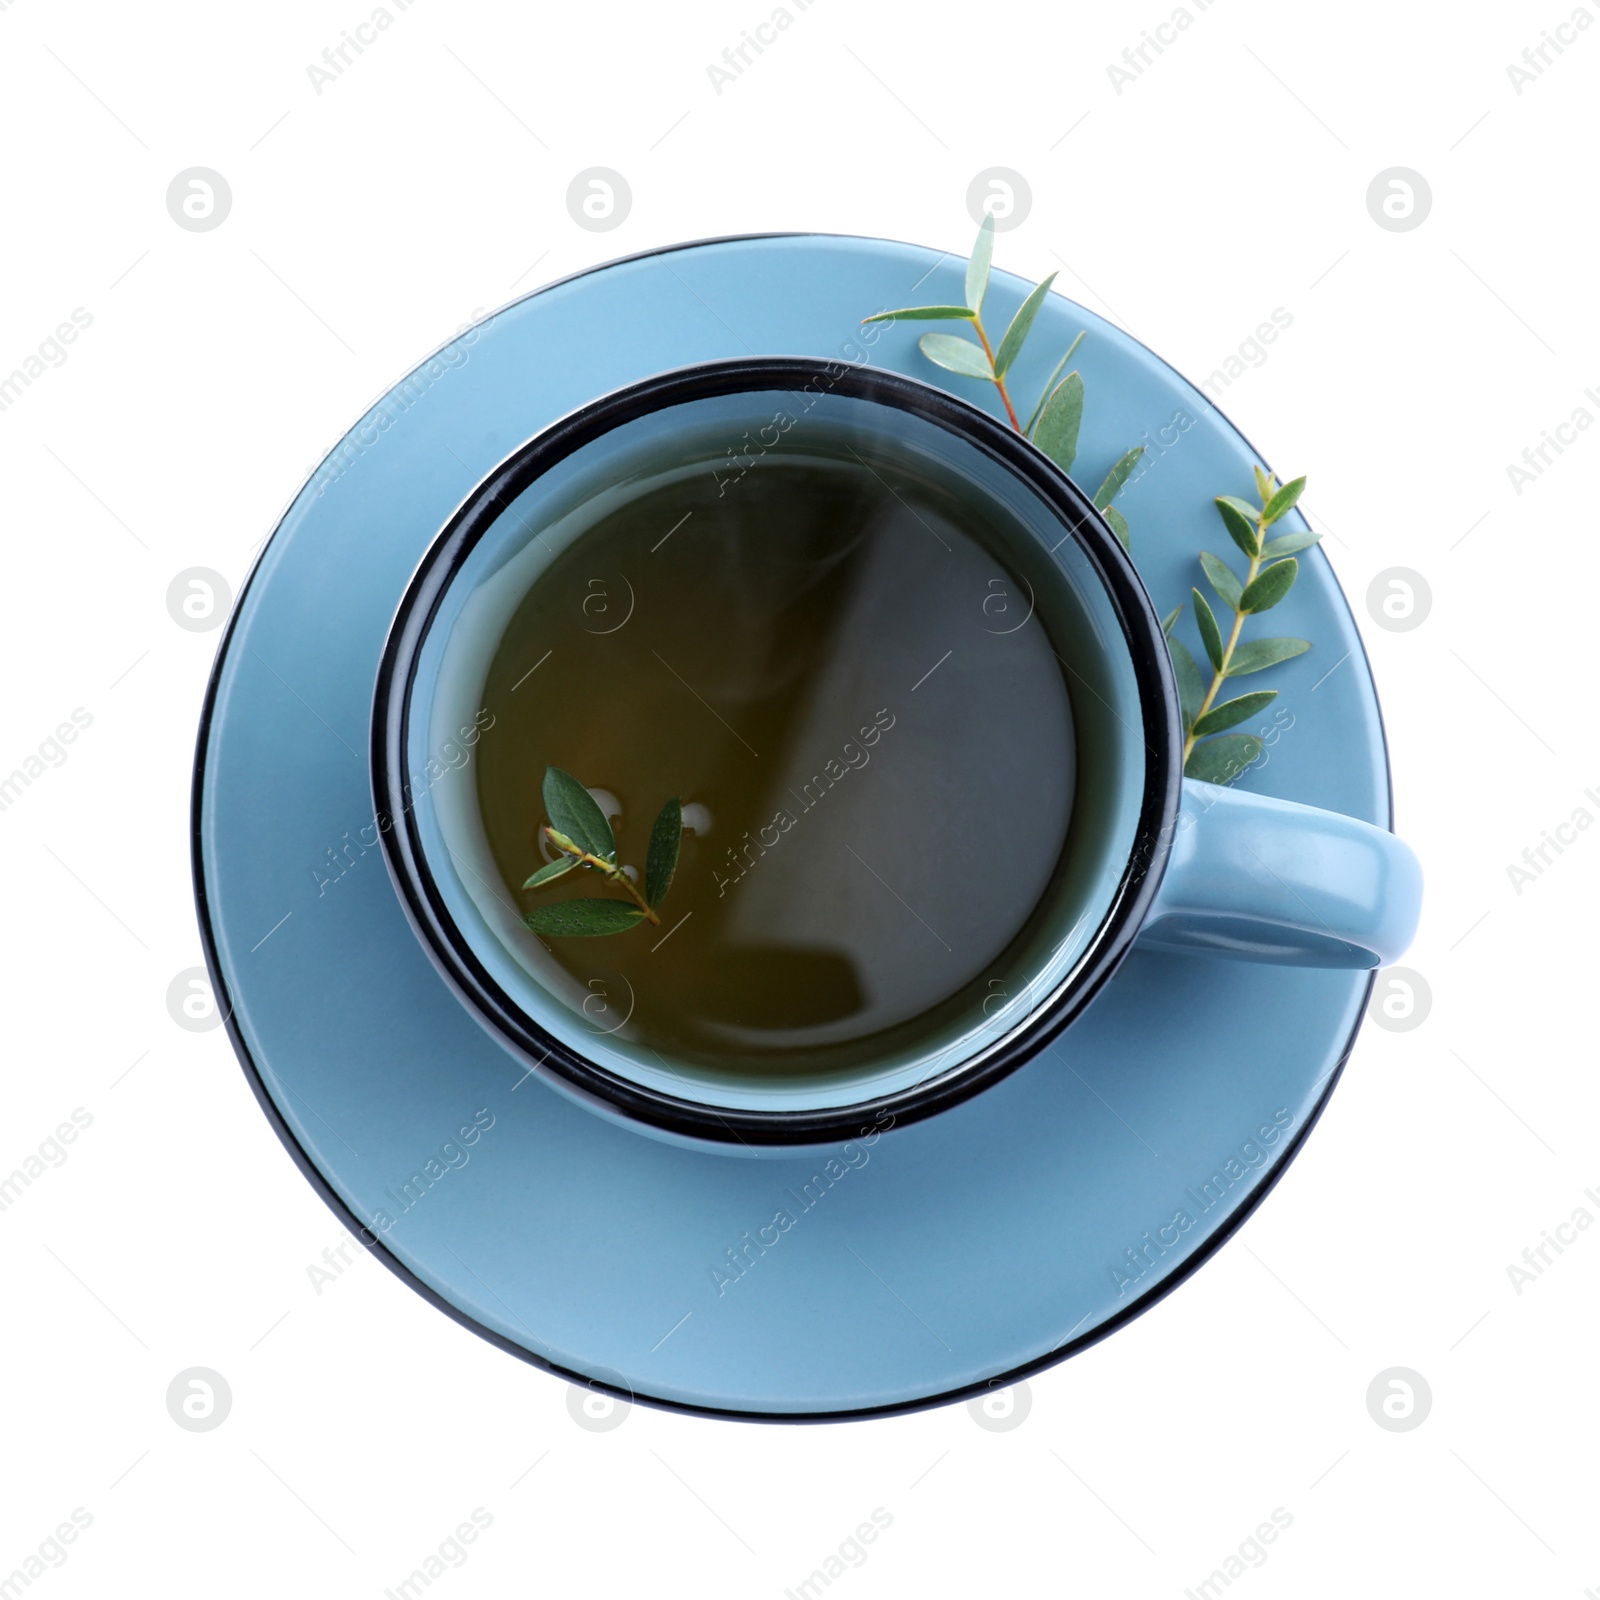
(866, 719)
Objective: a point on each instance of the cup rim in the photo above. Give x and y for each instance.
(458, 963)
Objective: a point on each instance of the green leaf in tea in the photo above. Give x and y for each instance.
(572, 810)
(583, 919)
(956, 355)
(549, 874)
(578, 828)
(662, 859)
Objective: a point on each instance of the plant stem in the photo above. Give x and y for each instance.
(999, 383)
(1233, 636)
(613, 872)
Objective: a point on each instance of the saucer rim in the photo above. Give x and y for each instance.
(1141, 1303)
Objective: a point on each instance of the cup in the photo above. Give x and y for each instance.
(1154, 858)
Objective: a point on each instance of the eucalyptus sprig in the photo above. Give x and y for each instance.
(1054, 421)
(581, 831)
(1209, 753)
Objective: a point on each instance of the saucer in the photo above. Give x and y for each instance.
(820, 1285)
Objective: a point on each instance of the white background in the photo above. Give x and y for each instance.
(369, 223)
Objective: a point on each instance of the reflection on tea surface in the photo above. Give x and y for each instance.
(865, 721)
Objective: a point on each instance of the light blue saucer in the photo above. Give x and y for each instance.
(971, 1248)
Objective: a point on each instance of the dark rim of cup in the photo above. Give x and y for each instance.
(441, 938)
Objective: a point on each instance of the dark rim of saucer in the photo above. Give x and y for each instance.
(319, 1182)
(542, 1051)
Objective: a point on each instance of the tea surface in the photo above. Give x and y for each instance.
(868, 727)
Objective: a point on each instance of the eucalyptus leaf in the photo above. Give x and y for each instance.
(978, 263)
(549, 874)
(583, 919)
(1170, 621)
(1116, 477)
(1265, 484)
(1280, 504)
(924, 314)
(1222, 579)
(1049, 385)
(1017, 333)
(661, 861)
(1057, 432)
(1221, 760)
(1271, 585)
(1258, 654)
(1289, 544)
(1191, 686)
(1119, 526)
(573, 812)
(1210, 633)
(1240, 521)
(955, 355)
(1232, 712)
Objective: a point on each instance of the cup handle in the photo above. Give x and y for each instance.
(1269, 880)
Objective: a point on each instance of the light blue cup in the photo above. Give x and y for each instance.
(1155, 859)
